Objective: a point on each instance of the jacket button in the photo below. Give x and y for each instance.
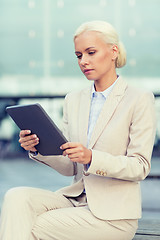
(101, 173)
(104, 174)
(98, 172)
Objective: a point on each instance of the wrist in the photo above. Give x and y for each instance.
(34, 153)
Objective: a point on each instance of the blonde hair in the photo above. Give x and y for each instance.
(109, 35)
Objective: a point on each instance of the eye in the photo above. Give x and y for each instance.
(91, 52)
(79, 56)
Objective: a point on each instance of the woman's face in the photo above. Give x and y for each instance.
(95, 57)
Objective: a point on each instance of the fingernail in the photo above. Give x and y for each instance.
(60, 147)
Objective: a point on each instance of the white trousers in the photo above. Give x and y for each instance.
(37, 214)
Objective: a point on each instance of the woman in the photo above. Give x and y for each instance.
(110, 127)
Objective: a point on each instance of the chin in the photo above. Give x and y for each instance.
(90, 78)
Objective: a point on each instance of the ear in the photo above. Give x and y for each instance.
(115, 52)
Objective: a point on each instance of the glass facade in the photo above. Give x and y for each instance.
(37, 51)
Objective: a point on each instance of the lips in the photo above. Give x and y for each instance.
(87, 70)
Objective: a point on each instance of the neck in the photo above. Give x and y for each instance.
(103, 84)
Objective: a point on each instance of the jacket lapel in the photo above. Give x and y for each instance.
(108, 110)
(84, 110)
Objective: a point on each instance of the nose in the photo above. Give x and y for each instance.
(83, 61)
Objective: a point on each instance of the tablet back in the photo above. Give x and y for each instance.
(33, 117)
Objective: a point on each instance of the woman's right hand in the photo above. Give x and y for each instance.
(27, 141)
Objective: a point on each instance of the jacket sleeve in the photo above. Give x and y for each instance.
(136, 164)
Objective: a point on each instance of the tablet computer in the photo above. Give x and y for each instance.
(33, 117)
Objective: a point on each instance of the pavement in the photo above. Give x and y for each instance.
(25, 172)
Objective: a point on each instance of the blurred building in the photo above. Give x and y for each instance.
(37, 52)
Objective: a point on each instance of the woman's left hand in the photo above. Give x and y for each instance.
(77, 152)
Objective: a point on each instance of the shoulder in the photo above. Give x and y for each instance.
(135, 98)
(141, 102)
(139, 94)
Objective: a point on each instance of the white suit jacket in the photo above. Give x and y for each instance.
(121, 143)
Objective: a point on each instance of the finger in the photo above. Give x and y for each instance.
(30, 148)
(73, 150)
(76, 155)
(31, 142)
(23, 133)
(28, 138)
(29, 145)
(69, 145)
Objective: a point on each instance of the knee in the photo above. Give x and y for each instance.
(16, 195)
